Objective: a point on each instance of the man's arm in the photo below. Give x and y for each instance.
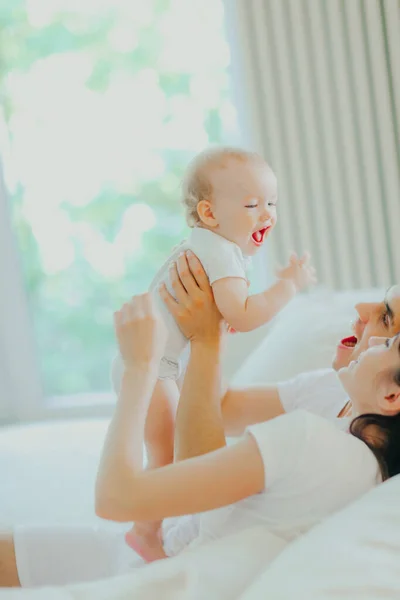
(247, 406)
(199, 427)
(199, 422)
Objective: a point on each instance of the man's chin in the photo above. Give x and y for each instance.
(340, 361)
(346, 351)
(336, 364)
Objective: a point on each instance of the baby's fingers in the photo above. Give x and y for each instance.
(305, 259)
(279, 270)
(125, 314)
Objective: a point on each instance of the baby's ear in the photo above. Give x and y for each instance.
(206, 213)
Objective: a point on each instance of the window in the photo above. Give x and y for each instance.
(105, 101)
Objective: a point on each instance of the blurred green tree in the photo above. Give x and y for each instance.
(84, 252)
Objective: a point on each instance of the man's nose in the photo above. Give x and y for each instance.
(364, 310)
(376, 341)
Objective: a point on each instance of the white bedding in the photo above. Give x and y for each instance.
(219, 570)
(353, 555)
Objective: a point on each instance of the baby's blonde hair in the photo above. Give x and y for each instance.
(197, 185)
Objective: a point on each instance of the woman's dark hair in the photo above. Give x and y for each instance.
(382, 436)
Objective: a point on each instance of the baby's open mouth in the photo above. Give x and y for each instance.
(258, 236)
(349, 342)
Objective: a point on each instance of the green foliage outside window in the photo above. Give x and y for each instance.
(104, 103)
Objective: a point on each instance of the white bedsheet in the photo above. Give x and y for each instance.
(353, 554)
(219, 570)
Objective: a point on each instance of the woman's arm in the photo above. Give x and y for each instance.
(124, 492)
(189, 486)
(141, 339)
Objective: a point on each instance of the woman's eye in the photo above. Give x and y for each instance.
(271, 203)
(251, 205)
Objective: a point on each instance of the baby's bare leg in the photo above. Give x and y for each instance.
(145, 537)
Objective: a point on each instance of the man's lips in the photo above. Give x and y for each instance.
(348, 343)
(258, 236)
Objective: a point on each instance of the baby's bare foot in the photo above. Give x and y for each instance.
(146, 540)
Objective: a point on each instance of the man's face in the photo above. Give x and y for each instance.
(375, 319)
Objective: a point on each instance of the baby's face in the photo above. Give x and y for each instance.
(244, 203)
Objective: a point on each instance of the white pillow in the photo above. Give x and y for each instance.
(304, 336)
(354, 554)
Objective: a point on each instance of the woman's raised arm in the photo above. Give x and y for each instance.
(124, 492)
(190, 486)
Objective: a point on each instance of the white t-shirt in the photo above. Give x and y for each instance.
(313, 468)
(319, 392)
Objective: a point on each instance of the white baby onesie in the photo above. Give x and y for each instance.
(220, 259)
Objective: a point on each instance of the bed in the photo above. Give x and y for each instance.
(354, 554)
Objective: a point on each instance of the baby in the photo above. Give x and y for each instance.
(230, 197)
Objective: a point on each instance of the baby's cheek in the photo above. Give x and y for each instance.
(247, 222)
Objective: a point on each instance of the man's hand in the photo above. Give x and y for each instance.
(140, 332)
(194, 309)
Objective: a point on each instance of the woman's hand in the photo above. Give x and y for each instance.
(140, 332)
(194, 309)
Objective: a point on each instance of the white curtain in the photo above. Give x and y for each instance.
(20, 391)
(321, 82)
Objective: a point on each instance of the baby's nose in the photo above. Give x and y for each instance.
(265, 215)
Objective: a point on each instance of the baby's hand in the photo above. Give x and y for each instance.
(299, 271)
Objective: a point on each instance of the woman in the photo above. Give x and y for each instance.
(288, 473)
